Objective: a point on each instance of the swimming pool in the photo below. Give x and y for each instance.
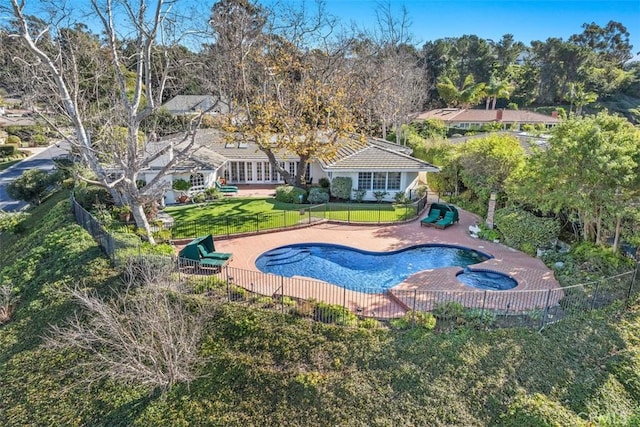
(362, 270)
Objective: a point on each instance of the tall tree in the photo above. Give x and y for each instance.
(135, 91)
(611, 43)
(292, 97)
(591, 169)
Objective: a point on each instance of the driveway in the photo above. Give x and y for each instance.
(40, 159)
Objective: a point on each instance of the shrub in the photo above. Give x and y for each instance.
(91, 196)
(417, 319)
(449, 310)
(341, 187)
(12, 222)
(334, 313)
(8, 150)
(324, 182)
(318, 195)
(212, 193)
(290, 194)
(400, 198)
(14, 140)
(380, 195)
(358, 195)
(181, 185)
(369, 323)
(524, 231)
(199, 198)
(478, 318)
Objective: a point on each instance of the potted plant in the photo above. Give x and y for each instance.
(123, 212)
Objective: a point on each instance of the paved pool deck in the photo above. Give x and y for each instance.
(530, 273)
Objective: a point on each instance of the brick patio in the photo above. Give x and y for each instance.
(530, 273)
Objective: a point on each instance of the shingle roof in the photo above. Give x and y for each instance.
(351, 154)
(456, 115)
(375, 158)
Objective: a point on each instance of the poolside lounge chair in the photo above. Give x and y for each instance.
(433, 216)
(226, 188)
(446, 221)
(201, 251)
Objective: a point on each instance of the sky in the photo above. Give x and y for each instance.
(527, 20)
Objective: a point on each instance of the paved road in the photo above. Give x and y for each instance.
(41, 160)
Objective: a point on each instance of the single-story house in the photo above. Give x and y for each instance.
(192, 104)
(373, 165)
(462, 118)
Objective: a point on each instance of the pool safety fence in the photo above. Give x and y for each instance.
(330, 303)
(235, 225)
(335, 304)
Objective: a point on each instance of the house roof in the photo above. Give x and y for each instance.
(457, 115)
(376, 158)
(351, 154)
(185, 104)
(201, 157)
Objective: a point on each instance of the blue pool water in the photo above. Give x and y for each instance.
(489, 280)
(355, 269)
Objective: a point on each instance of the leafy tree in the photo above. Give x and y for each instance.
(293, 98)
(611, 43)
(590, 172)
(468, 94)
(487, 163)
(577, 96)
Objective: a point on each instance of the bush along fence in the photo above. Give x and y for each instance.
(366, 307)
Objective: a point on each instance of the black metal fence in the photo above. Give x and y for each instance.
(350, 213)
(369, 307)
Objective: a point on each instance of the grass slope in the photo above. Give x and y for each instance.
(263, 370)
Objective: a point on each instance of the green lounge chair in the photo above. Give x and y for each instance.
(202, 250)
(434, 215)
(226, 188)
(446, 221)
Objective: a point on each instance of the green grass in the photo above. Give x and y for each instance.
(252, 214)
(265, 369)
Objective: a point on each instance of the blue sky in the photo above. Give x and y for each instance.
(527, 20)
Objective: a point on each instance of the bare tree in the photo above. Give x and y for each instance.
(134, 79)
(148, 336)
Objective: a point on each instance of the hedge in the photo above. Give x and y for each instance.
(290, 194)
(525, 231)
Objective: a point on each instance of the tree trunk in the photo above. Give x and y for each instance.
(141, 220)
(616, 237)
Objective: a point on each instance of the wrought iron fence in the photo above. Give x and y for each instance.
(379, 213)
(369, 307)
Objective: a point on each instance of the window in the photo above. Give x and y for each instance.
(393, 181)
(379, 180)
(364, 180)
(196, 179)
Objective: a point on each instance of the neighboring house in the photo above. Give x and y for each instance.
(192, 104)
(15, 117)
(475, 119)
(375, 165)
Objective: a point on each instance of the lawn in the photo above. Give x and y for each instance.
(251, 214)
